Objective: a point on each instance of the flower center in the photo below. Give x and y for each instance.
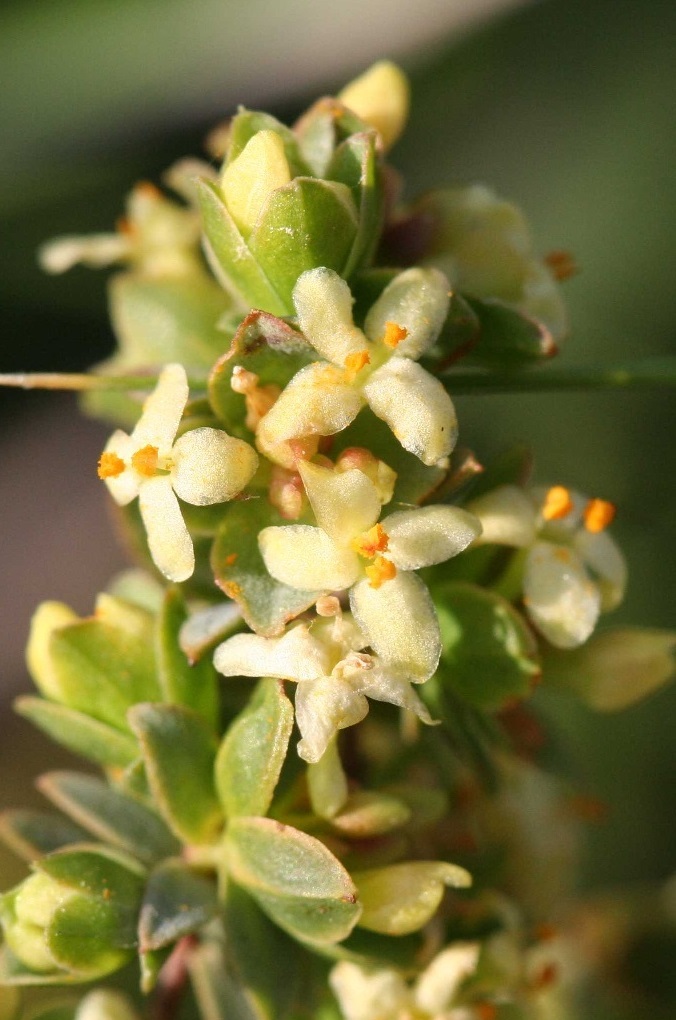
(598, 514)
(373, 541)
(110, 465)
(557, 503)
(355, 362)
(394, 334)
(379, 571)
(145, 460)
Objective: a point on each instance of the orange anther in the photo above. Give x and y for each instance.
(379, 571)
(486, 1011)
(355, 362)
(144, 461)
(598, 514)
(147, 189)
(230, 559)
(110, 465)
(546, 977)
(557, 503)
(373, 541)
(562, 264)
(394, 334)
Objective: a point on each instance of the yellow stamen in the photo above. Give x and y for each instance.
(355, 362)
(373, 541)
(557, 503)
(562, 264)
(144, 461)
(394, 334)
(598, 514)
(379, 571)
(110, 465)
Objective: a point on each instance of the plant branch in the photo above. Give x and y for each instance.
(646, 373)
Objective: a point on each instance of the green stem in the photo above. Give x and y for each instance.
(643, 374)
(83, 381)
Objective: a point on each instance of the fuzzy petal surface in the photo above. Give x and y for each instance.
(603, 557)
(428, 535)
(297, 655)
(324, 706)
(440, 982)
(345, 504)
(507, 515)
(401, 624)
(324, 307)
(416, 300)
(162, 411)
(416, 407)
(168, 539)
(561, 599)
(367, 994)
(306, 558)
(125, 486)
(384, 683)
(209, 466)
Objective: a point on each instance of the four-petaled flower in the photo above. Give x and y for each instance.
(351, 549)
(334, 676)
(203, 466)
(573, 570)
(377, 367)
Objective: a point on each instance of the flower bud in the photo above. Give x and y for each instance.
(380, 96)
(105, 1004)
(75, 918)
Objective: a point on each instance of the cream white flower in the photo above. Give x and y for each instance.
(573, 570)
(203, 466)
(383, 994)
(377, 367)
(350, 549)
(333, 673)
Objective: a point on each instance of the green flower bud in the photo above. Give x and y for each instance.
(105, 1004)
(292, 200)
(75, 918)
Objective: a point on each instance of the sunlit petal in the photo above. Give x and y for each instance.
(416, 407)
(601, 554)
(345, 504)
(416, 300)
(383, 683)
(125, 486)
(324, 306)
(430, 534)
(401, 624)
(210, 466)
(507, 516)
(439, 983)
(322, 707)
(365, 995)
(168, 539)
(162, 411)
(559, 595)
(306, 558)
(297, 655)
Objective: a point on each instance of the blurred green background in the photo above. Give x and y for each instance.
(565, 106)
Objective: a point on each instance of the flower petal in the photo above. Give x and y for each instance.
(93, 250)
(324, 706)
(603, 557)
(507, 517)
(429, 534)
(416, 407)
(168, 539)
(367, 994)
(162, 411)
(317, 402)
(306, 558)
(383, 683)
(209, 466)
(417, 300)
(297, 655)
(560, 598)
(401, 624)
(439, 983)
(324, 306)
(125, 486)
(344, 503)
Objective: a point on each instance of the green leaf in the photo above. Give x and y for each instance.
(401, 898)
(97, 871)
(239, 571)
(459, 335)
(179, 751)
(489, 653)
(305, 224)
(371, 949)
(355, 164)
(110, 815)
(14, 972)
(182, 683)
(207, 627)
(248, 123)
(176, 902)
(296, 880)
(241, 274)
(218, 991)
(508, 338)
(79, 733)
(86, 938)
(252, 753)
(367, 814)
(31, 834)
(316, 135)
(102, 669)
(265, 959)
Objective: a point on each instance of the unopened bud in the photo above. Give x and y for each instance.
(250, 179)
(380, 97)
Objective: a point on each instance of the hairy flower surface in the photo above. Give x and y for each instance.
(203, 466)
(377, 367)
(351, 549)
(573, 569)
(333, 674)
(383, 994)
